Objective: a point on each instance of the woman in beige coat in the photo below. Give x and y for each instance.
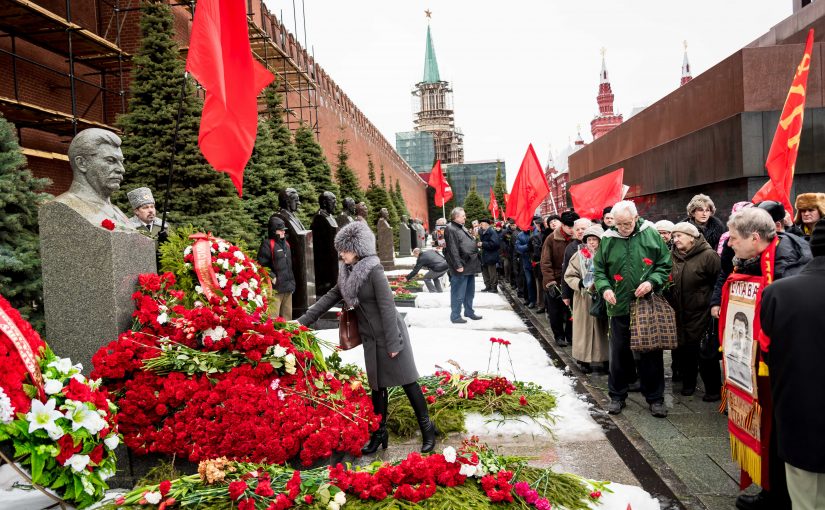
(589, 332)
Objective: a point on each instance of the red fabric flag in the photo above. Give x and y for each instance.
(221, 60)
(785, 146)
(529, 189)
(591, 197)
(493, 206)
(443, 191)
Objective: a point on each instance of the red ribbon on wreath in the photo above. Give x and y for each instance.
(27, 355)
(202, 255)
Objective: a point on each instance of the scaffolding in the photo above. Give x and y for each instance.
(433, 111)
(417, 148)
(90, 62)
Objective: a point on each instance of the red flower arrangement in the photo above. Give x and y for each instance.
(107, 224)
(187, 378)
(14, 373)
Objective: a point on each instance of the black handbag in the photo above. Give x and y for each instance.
(598, 308)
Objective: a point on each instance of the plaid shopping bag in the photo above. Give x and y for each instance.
(652, 324)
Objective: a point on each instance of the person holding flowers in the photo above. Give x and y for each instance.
(590, 333)
(388, 356)
(631, 262)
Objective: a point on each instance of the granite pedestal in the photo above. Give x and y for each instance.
(89, 275)
(404, 246)
(386, 247)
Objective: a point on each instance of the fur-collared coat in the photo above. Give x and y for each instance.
(381, 328)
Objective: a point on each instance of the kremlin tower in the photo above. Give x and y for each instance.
(686, 75)
(606, 119)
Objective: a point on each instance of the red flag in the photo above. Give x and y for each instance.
(528, 191)
(591, 197)
(443, 191)
(493, 206)
(785, 146)
(221, 60)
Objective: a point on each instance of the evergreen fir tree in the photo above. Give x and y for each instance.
(499, 189)
(400, 203)
(295, 174)
(348, 184)
(199, 195)
(21, 281)
(474, 205)
(262, 178)
(376, 195)
(312, 155)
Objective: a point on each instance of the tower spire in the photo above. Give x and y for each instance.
(686, 74)
(605, 120)
(431, 74)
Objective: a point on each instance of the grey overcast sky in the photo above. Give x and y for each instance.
(522, 71)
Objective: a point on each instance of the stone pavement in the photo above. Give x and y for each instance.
(689, 449)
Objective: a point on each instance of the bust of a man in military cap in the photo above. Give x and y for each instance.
(97, 171)
(145, 218)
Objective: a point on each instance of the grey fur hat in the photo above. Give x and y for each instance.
(356, 237)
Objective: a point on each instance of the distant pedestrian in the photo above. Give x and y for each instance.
(791, 316)
(436, 267)
(461, 252)
(276, 255)
(632, 262)
(589, 332)
(490, 247)
(523, 249)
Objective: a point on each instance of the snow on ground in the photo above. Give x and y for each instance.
(405, 261)
(624, 497)
(491, 321)
(442, 300)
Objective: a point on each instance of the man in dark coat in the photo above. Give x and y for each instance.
(490, 246)
(275, 255)
(552, 258)
(461, 252)
(435, 264)
(791, 316)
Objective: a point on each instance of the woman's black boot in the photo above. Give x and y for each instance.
(380, 437)
(419, 405)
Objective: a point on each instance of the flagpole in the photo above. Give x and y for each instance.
(174, 152)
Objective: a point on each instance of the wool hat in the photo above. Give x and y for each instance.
(568, 218)
(774, 208)
(139, 197)
(606, 210)
(684, 227)
(818, 239)
(593, 230)
(665, 225)
(809, 201)
(356, 237)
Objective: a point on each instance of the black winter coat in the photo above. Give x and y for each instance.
(712, 230)
(381, 328)
(490, 246)
(280, 266)
(461, 250)
(791, 315)
(430, 260)
(694, 275)
(792, 254)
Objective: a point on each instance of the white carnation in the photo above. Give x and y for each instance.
(216, 333)
(239, 255)
(78, 462)
(53, 386)
(279, 351)
(333, 506)
(467, 470)
(340, 498)
(112, 441)
(198, 289)
(153, 498)
(449, 454)
(238, 267)
(187, 250)
(163, 318)
(222, 280)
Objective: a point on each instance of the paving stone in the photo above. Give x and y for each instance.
(701, 474)
(700, 425)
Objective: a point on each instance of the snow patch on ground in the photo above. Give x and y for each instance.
(482, 300)
(624, 495)
(492, 320)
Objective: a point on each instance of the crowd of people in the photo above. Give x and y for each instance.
(585, 274)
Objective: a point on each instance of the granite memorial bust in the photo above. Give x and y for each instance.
(324, 228)
(404, 245)
(384, 238)
(97, 171)
(288, 200)
(347, 215)
(361, 211)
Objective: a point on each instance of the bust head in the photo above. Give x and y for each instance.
(326, 201)
(288, 199)
(349, 206)
(361, 209)
(97, 163)
(384, 214)
(404, 219)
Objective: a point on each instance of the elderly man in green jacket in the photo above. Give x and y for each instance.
(632, 261)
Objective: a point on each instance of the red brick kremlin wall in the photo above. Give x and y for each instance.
(44, 86)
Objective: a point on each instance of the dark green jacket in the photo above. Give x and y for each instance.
(625, 256)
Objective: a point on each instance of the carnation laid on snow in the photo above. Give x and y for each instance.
(153, 498)
(449, 454)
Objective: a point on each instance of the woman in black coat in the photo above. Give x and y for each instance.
(701, 211)
(388, 356)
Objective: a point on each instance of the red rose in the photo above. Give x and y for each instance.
(647, 261)
(618, 277)
(96, 455)
(431, 399)
(107, 224)
(164, 487)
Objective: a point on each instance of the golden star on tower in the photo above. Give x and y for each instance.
(428, 13)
